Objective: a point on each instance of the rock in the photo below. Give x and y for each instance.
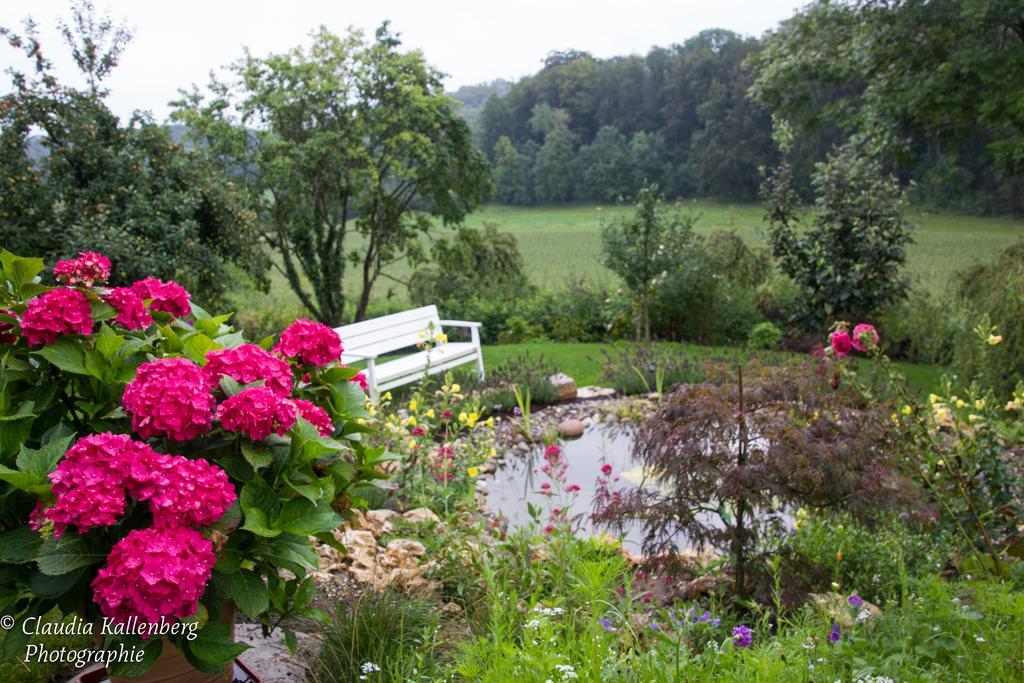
(702, 585)
(595, 392)
(571, 429)
(837, 609)
(380, 521)
(564, 385)
(451, 608)
(269, 658)
(420, 515)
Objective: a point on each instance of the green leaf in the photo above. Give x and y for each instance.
(256, 455)
(19, 545)
(198, 345)
(44, 460)
(61, 555)
(301, 517)
(25, 481)
(151, 651)
(20, 270)
(256, 522)
(213, 649)
(108, 342)
(48, 586)
(249, 593)
(69, 356)
(291, 552)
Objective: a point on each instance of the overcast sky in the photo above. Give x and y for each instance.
(177, 43)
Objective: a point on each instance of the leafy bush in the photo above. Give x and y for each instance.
(639, 369)
(993, 294)
(849, 263)
(731, 456)
(874, 561)
(922, 329)
(765, 336)
(255, 449)
(472, 264)
(527, 371)
(379, 636)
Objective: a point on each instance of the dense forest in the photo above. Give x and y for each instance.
(697, 117)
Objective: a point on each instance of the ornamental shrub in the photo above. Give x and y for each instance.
(154, 465)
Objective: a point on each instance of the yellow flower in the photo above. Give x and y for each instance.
(941, 463)
(907, 410)
(961, 404)
(835, 586)
(979, 404)
(895, 418)
(430, 414)
(456, 388)
(372, 410)
(413, 404)
(816, 415)
(473, 417)
(441, 338)
(490, 422)
(473, 471)
(411, 421)
(387, 396)
(972, 418)
(801, 512)
(463, 417)
(932, 398)
(1015, 404)
(994, 339)
(493, 453)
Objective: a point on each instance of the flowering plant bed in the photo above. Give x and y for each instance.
(156, 467)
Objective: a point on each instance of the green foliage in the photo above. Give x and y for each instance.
(286, 485)
(355, 138)
(874, 68)
(512, 174)
(380, 636)
(994, 293)
(639, 369)
(483, 264)
(849, 262)
(642, 249)
(76, 178)
(528, 371)
(765, 336)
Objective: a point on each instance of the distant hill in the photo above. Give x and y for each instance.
(473, 98)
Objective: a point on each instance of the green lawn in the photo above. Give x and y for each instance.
(582, 361)
(562, 242)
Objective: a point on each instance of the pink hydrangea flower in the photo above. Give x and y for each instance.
(169, 396)
(87, 270)
(131, 309)
(56, 313)
(169, 297)
(89, 483)
(249, 363)
(315, 415)
(187, 492)
(841, 343)
(257, 412)
(360, 379)
(153, 574)
(864, 337)
(310, 342)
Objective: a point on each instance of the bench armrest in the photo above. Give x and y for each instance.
(459, 323)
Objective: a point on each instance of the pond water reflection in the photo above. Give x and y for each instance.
(517, 481)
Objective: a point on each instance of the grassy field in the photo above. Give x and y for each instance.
(583, 361)
(562, 242)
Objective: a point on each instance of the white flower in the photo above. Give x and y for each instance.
(979, 639)
(369, 668)
(863, 616)
(567, 671)
(532, 623)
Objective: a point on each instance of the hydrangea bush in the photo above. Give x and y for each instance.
(154, 465)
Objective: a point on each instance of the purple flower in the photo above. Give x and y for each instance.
(704, 618)
(855, 601)
(654, 626)
(835, 634)
(516, 411)
(742, 636)
(715, 622)
(606, 624)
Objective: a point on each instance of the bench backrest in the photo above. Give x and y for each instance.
(388, 333)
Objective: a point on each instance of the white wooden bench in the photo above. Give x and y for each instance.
(370, 339)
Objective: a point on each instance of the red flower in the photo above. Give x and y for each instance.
(360, 379)
(865, 337)
(169, 297)
(87, 270)
(256, 412)
(131, 309)
(309, 342)
(841, 343)
(249, 363)
(315, 415)
(56, 313)
(169, 396)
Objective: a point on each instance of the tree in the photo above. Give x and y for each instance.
(605, 166)
(849, 262)
(511, 174)
(643, 248)
(944, 71)
(345, 137)
(76, 178)
(554, 167)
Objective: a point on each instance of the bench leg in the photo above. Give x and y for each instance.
(371, 378)
(475, 334)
